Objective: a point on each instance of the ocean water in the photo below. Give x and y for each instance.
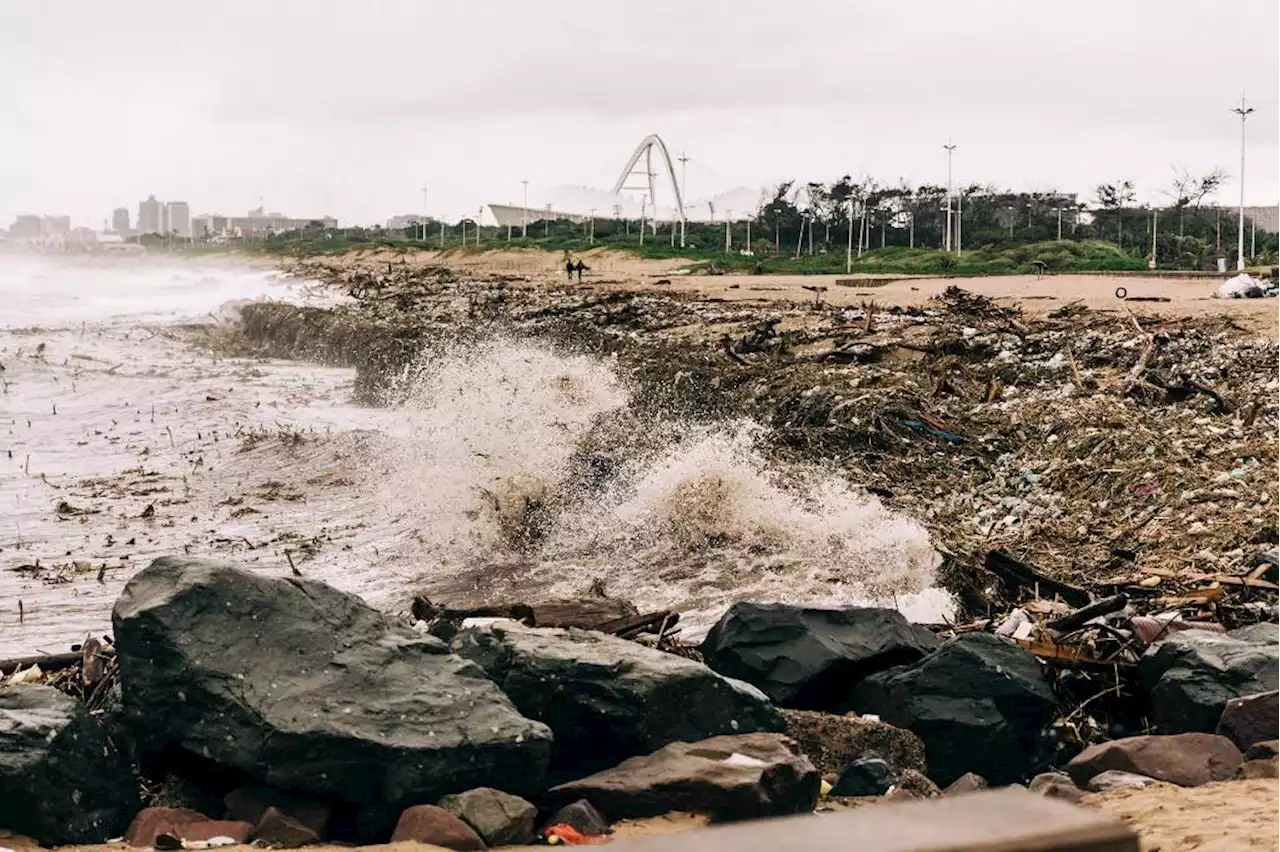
(504, 470)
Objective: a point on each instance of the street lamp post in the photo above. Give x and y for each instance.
(424, 214)
(950, 148)
(1242, 111)
(591, 225)
(848, 249)
(524, 211)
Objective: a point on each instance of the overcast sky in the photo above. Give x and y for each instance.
(350, 108)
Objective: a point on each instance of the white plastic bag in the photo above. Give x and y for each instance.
(1240, 287)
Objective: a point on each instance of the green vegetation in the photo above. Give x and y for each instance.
(890, 230)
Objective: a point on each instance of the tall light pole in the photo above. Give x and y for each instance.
(950, 146)
(424, 214)
(848, 249)
(1242, 111)
(684, 197)
(591, 234)
(524, 211)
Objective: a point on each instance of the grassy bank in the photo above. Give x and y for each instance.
(1053, 256)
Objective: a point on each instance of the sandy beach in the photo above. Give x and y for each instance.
(620, 271)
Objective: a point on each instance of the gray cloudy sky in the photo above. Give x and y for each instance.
(349, 108)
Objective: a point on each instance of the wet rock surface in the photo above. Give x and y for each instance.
(62, 779)
(607, 699)
(748, 776)
(809, 658)
(978, 704)
(307, 689)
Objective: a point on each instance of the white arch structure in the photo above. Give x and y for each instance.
(645, 149)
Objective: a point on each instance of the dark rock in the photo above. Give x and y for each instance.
(810, 658)
(966, 783)
(1190, 677)
(1187, 760)
(917, 784)
(833, 742)
(977, 703)
(1263, 750)
(1251, 719)
(1115, 779)
(500, 819)
(1056, 785)
(1267, 767)
(437, 827)
(607, 699)
(867, 776)
(62, 779)
(249, 802)
(182, 824)
(749, 776)
(582, 817)
(283, 831)
(308, 689)
(1268, 632)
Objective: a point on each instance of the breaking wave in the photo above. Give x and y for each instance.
(523, 470)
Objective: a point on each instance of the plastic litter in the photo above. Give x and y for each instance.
(1242, 286)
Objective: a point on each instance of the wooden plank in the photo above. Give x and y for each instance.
(1005, 820)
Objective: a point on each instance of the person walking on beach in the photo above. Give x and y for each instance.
(568, 269)
(580, 267)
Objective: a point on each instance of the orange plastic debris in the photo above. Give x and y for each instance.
(570, 836)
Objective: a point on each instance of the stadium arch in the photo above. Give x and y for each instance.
(645, 149)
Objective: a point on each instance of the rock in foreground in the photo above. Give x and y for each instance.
(1191, 676)
(1188, 760)
(978, 704)
(607, 699)
(310, 690)
(810, 658)
(1251, 719)
(500, 819)
(727, 778)
(62, 780)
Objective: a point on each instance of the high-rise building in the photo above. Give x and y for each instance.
(120, 220)
(177, 216)
(150, 216)
(55, 226)
(25, 227)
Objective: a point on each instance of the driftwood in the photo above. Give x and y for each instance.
(1071, 621)
(634, 625)
(1017, 574)
(51, 662)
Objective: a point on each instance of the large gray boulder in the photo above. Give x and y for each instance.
(62, 779)
(978, 704)
(809, 658)
(1190, 677)
(607, 699)
(308, 689)
(749, 776)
